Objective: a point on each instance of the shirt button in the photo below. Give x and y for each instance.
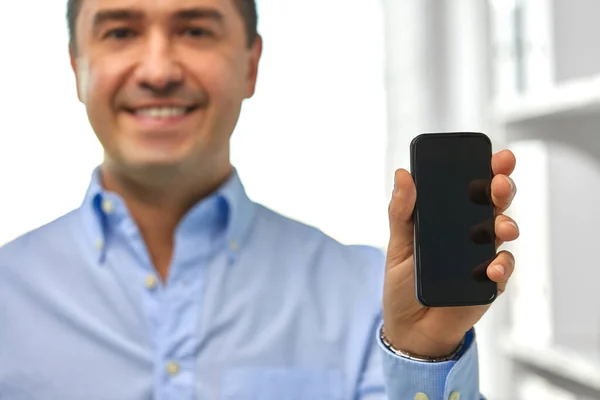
(233, 245)
(99, 244)
(107, 206)
(151, 282)
(172, 368)
(454, 396)
(421, 396)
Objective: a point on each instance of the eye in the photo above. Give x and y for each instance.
(197, 32)
(121, 33)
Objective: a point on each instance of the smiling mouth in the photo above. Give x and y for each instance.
(162, 112)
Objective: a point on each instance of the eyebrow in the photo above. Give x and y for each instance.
(116, 15)
(104, 16)
(199, 13)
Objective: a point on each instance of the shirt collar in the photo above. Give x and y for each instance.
(229, 205)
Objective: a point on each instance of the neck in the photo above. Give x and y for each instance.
(158, 200)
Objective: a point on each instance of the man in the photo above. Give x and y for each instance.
(169, 283)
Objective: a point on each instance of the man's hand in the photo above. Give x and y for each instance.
(435, 332)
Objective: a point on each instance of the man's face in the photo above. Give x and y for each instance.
(163, 80)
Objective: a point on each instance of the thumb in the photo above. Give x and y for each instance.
(401, 209)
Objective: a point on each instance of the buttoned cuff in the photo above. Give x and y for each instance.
(448, 380)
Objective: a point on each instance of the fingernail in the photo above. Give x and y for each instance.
(395, 190)
(512, 184)
(514, 224)
(500, 268)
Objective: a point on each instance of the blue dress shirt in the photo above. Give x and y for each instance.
(256, 307)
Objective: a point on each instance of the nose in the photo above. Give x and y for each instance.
(159, 71)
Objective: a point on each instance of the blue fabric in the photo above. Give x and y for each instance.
(256, 306)
(436, 380)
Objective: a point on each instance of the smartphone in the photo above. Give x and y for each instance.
(453, 219)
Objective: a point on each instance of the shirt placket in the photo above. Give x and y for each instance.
(178, 337)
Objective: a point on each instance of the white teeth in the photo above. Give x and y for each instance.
(162, 112)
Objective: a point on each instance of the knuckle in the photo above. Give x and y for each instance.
(391, 208)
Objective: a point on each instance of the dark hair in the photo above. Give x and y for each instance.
(247, 9)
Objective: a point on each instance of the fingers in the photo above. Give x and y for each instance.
(503, 162)
(502, 228)
(506, 229)
(501, 269)
(503, 187)
(503, 192)
(401, 209)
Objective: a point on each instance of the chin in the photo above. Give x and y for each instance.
(144, 148)
(155, 159)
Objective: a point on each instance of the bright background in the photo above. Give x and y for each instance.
(344, 86)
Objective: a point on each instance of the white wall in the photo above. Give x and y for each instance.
(312, 142)
(47, 151)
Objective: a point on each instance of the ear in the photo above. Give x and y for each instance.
(255, 55)
(73, 58)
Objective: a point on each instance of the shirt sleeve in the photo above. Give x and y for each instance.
(387, 376)
(449, 380)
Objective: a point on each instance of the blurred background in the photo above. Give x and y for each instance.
(342, 92)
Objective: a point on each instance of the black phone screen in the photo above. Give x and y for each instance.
(454, 219)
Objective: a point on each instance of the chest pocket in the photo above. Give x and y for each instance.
(282, 384)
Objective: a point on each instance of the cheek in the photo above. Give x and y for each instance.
(222, 78)
(98, 81)
(227, 93)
